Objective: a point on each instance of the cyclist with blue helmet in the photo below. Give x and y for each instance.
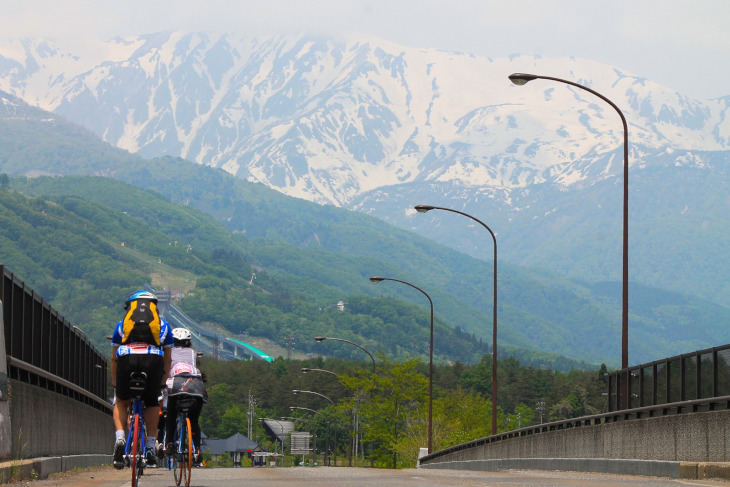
(142, 342)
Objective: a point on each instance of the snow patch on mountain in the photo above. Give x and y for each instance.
(330, 121)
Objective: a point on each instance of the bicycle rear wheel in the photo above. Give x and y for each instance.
(189, 447)
(135, 445)
(178, 464)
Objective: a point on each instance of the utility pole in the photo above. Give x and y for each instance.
(289, 346)
(251, 414)
(540, 409)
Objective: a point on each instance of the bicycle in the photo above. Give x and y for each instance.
(135, 456)
(182, 460)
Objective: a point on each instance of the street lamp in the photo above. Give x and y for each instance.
(376, 280)
(296, 391)
(321, 339)
(520, 79)
(307, 369)
(302, 420)
(327, 442)
(427, 208)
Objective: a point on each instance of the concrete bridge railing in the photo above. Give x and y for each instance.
(675, 440)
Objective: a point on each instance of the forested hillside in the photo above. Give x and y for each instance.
(85, 258)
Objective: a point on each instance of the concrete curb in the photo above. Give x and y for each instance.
(41, 468)
(650, 468)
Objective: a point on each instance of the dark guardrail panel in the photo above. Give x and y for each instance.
(45, 350)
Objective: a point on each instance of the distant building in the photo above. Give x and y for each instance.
(236, 446)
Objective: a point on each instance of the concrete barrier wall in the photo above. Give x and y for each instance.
(695, 437)
(4, 403)
(44, 423)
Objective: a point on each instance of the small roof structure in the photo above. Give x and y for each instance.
(278, 429)
(233, 444)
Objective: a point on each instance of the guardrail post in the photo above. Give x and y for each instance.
(5, 439)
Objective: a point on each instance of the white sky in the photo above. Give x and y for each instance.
(682, 44)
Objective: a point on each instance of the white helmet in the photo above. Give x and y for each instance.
(181, 334)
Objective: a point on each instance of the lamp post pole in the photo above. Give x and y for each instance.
(376, 280)
(297, 391)
(520, 79)
(327, 442)
(321, 339)
(427, 208)
(307, 369)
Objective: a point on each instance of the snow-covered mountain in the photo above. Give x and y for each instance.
(375, 126)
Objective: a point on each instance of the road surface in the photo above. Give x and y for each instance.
(351, 477)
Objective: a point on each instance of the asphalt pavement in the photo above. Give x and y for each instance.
(351, 477)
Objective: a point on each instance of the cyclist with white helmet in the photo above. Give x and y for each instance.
(142, 342)
(185, 379)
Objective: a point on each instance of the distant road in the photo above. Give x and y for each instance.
(351, 477)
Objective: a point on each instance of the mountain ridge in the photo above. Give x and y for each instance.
(377, 128)
(340, 249)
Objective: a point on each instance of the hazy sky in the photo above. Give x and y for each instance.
(682, 44)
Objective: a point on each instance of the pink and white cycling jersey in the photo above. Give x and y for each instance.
(182, 368)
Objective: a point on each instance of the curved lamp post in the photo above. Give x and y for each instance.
(297, 391)
(520, 79)
(327, 443)
(376, 280)
(321, 339)
(427, 208)
(307, 369)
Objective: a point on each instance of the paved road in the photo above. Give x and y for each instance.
(351, 477)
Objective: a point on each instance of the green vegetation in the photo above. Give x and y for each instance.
(84, 258)
(392, 404)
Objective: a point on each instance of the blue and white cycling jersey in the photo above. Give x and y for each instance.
(166, 341)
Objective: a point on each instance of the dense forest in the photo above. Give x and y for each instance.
(396, 394)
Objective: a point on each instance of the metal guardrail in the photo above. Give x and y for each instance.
(45, 350)
(687, 383)
(704, 374)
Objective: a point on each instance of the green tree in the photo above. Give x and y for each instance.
(233, 421)
(394, 408)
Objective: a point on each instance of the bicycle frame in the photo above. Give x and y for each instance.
(136, 437)
(137, 410)
(183, 458)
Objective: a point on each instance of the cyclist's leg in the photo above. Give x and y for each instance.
(154, 366)
(123, 394)
(120, 411)
(120, 414)
(194, 415)
(171, 420)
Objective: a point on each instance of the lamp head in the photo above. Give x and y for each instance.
(521, 78)
(423, 208)
(376, 279)
(305, 370)
(295, 391)
(320, 339)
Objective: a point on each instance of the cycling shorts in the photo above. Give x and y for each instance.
(153, 365)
